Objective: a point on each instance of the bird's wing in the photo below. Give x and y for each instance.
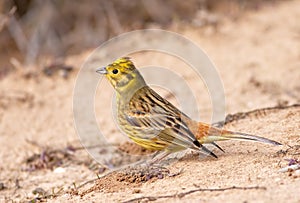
(157, 118)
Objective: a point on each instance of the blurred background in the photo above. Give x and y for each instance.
(31, 29)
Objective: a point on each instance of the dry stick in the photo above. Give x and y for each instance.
(34, 143)
(180, 195)
(241, 115)
(48, 196)
(231, 117)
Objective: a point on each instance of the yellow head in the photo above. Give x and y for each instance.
(123, 75)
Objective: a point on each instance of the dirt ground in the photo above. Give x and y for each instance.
(258, 59)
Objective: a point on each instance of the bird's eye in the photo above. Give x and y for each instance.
(115, 71)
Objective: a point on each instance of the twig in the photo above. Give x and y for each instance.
(34, 143)
(180, 195)
(43, 195)
(241, 115)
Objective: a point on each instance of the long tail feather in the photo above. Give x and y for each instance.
(208, 135)
(230, 135)
(207, 151)
(244, 136)
(217, 146)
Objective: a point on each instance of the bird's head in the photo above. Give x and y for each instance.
(123, 75)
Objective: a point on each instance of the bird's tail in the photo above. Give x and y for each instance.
(208, 135)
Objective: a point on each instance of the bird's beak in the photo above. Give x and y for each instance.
(102, 70)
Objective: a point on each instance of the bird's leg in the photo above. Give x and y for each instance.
(155, 154)
(158, 156)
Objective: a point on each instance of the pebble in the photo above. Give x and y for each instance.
(2, 187)
(136, 190)
(290, 168)
(277, 179)
(59, 170)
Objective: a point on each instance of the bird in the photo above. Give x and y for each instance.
(154, 123)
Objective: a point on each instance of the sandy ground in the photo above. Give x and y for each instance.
(258, 59)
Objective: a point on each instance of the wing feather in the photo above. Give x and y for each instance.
(156, 118)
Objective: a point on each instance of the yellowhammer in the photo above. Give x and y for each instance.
(153, 122)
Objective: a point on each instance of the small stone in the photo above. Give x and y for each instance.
(59, 170)
(136, 190)
(39, 191)
(160, 176)
(2, 187)
(277, 179)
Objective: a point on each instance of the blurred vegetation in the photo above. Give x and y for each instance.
(30, 29)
